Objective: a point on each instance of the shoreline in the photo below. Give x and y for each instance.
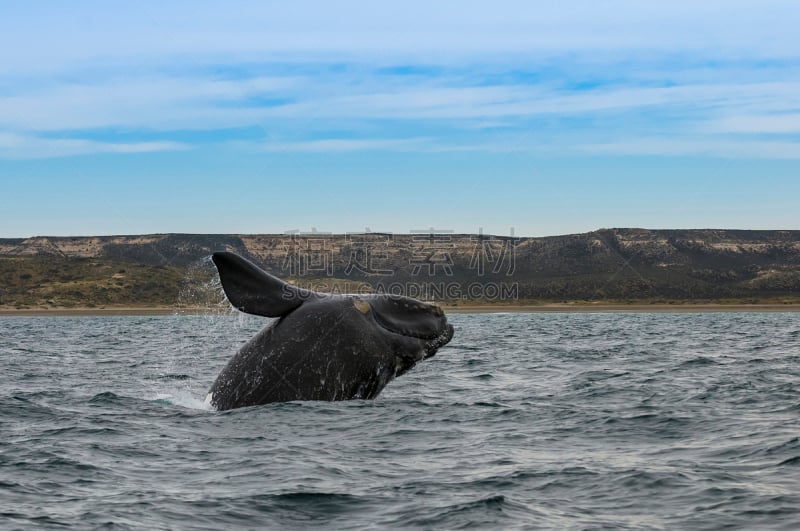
(627, 308)
(519, 308)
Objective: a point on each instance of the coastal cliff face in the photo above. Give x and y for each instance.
(604, 265)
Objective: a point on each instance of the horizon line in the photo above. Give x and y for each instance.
(444, 232)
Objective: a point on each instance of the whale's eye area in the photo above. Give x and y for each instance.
(362, 306)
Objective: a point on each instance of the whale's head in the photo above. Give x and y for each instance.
(409, 318)
(418, 328)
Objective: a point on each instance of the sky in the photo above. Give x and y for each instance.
(537, 118)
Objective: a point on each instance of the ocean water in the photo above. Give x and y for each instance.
(551, 421)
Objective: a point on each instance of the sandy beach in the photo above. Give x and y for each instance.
(77, 312)
(630, 308)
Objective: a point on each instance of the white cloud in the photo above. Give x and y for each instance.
(735, 149)
(44, 39)
(759, 124)
(345, 145)
(521, 101)
(201, 104)
(151, 102)
(13, 146)
(151, 68)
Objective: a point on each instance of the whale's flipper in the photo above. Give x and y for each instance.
(252, 290)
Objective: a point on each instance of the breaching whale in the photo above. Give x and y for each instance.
(321, 347)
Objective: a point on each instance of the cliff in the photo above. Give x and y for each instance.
(603, 265)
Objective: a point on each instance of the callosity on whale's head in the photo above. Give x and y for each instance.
(322, 347)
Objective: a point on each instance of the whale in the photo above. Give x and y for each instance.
(319, 346)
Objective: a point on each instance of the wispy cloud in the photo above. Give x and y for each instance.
(670, 147)
(516, 100)
(14, 146)
(387, 78)
(165, 104)
(347, 145)
(153, 102)
(146, 31)
(764, 123)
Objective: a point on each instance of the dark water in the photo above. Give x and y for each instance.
(576, 421)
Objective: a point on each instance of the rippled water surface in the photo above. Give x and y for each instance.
(675, 421)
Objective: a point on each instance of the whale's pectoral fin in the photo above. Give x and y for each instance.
(252, 290)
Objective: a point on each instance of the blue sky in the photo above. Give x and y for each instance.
(264, 117)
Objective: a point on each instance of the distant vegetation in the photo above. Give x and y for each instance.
(609, 265)
(68, 282)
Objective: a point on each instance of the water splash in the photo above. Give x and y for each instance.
(184, 399)
(199, 331)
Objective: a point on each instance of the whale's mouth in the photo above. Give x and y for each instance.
(406, 361)
(440, 341)
(431, 343)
